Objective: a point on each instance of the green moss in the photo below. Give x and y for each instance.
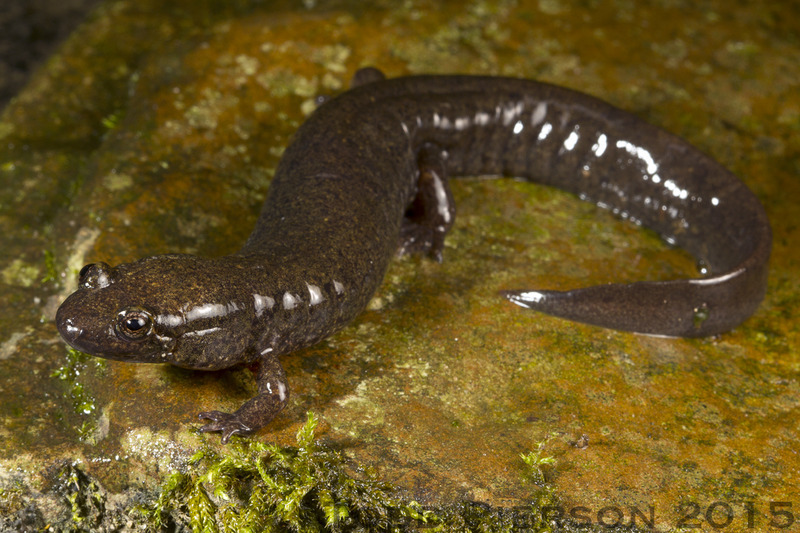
(112, 120)
(253, 486)
(536, 460)
(86, 500)
(50, 269)
(83, 403)
(262, 487)
(11, 500)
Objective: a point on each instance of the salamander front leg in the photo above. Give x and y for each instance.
(257, 412)
(433, 211)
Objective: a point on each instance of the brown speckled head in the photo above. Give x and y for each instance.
(98, 318)
(164, 309)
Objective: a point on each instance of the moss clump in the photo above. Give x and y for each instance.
(11, 500)
(87, 501)
(262, 487)
(536, 459)
(257, 487)
(50, 269)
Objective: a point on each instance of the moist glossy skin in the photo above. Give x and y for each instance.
(367, 173)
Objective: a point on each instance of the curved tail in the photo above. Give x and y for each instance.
(679, 308)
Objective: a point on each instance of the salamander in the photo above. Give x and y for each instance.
(368, 174)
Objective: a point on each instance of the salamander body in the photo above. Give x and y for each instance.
(367, 174)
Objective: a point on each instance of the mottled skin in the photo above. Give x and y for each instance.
(368, 173)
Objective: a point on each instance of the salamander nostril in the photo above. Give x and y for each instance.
(67, 328)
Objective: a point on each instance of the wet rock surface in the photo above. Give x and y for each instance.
(158, 129)
(29, 32)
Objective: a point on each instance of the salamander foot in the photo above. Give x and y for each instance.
(228, 423)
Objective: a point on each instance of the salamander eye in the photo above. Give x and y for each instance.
(133, 324)
(95, 276)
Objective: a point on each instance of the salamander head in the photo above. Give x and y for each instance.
(161, 309)
(99, 320)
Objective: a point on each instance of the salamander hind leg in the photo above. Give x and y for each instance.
(432, 211)
(258, 411)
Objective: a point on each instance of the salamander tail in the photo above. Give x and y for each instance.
(679, 308)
